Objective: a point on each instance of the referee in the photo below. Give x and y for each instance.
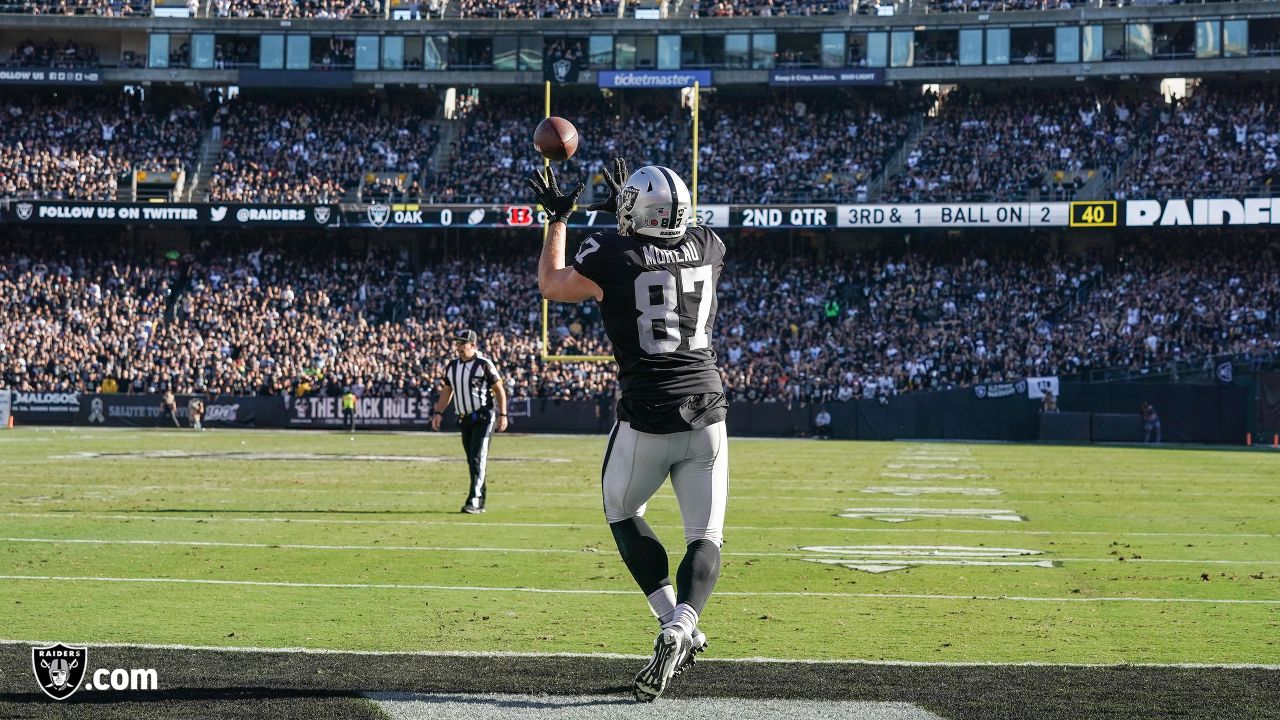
(471, 381)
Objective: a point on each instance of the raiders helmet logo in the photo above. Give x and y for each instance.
(378, 215)
(24, 210)
(59, 669)
(628, 198)
(321, 215)
(561, 69)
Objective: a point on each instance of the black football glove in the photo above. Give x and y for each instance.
(610, 204)
(547, 192)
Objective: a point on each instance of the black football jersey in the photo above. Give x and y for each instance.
(659, 310)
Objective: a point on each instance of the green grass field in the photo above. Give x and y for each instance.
(321, 540)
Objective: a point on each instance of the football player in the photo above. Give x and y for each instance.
(655, 279)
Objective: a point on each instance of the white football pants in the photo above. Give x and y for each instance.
(637, 463)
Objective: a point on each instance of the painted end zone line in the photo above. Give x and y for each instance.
(570, 591)
(621, 656)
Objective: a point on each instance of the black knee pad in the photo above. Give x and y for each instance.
(643, 553)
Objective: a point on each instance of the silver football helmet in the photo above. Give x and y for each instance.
(655, 203)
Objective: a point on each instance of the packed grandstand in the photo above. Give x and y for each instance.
(800, 147)
(310, 315)
(805, 316)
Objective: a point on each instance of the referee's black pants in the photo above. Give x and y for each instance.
(476, 429)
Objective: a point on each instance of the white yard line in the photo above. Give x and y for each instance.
(621, 656)
(329, 488)
(567, 591)
(568, 551)
(148, 516)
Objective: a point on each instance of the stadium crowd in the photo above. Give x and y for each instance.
(1015, 146)
(288, 9)
(315, 150)
(105, 8)
(810, 147)
(819, 148)
(1221, 141)
(557, 9)
(73, 146)
(50, 54)
(796, 147)
(780, 8)
(312, 316)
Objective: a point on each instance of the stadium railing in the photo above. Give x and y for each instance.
(1203, 368)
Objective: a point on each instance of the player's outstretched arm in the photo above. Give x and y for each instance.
(557, 282)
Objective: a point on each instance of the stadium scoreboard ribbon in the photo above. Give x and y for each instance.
(947, 215)
(1094, 213)
(1208, 212)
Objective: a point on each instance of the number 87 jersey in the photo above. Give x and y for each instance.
(659, 310)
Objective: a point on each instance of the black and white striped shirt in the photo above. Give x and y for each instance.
(471, 381)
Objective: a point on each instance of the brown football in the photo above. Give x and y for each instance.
(556, 138)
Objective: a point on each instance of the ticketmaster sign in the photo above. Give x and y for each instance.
(653, 78)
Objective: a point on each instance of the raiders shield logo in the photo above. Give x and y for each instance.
(1226, 373)
(628, 199)
(59, 669)
(24, 210)
(561, 68)
(321, 215)
(379, 214)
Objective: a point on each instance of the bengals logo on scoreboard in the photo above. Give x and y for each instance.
(519, 215)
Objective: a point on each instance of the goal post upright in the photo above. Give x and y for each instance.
(546, 228)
